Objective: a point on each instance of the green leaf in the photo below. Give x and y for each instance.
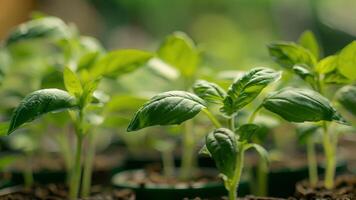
(308, 41)
(4, 126)
(335, 77)
(208, 91)
(246, 88)
(39, 103)
(346, 61)
(46, 27)
(88, 60)
(347, 98)
(204, 151)
(288, 54)
(222, 146)
(247, 131)
(300, 105)
(120, 62)
(72, 82)
(260, 150)
(88, 90)
(327, 65)
(304, 74)
(168, 108)
(179, 51)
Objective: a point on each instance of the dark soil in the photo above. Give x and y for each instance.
(60, 192)
(44, 165)
(152, 176)
(248, 198)
(345, 189)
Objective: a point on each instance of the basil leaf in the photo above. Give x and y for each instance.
(304, 74)
(208, 91)
(46, 27)
(347, 98)
(204, 151)
(179, 51)
(167, 108)
(346, 61)
(222, 146)
(247, 131)
(4, 126)
(72, 82)
(39, 103)
(120, 62)
(308, 41)
(88, 90)
(335, 77)
(288, 54)
(260, 150)
(326, 65)
(300, 105)
(246, 88)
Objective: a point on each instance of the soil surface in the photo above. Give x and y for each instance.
(248, 198)
(152, 177)
(345, 189)
(60, 192)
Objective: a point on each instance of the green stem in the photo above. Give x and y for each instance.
(188, 152)
(252, 117)
(28, 173)
(168, 164)
(212, 118)
(77, 171)
(66, 152)
(75, 176)
(234, 183)
(329, 149)
(312, 163)
(231, 122)
(262, 175)
(88, 166)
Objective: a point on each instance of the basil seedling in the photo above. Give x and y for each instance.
(304, 60)
(87, 65)
(225, 145)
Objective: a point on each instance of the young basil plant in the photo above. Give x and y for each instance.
(88, 64)
(304, 60)
(226, 147)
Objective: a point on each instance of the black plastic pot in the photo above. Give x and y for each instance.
(178, 192)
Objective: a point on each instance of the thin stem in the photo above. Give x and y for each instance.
(28, 173)
(312, 162)
(168, 163)
(212, 118)
(231, 122)
(330, 158)
(77, 171)
(77, 168)
(65, 149)
(252, 117)
(88, 166)
(234, 183)
(262, 176)
(188, 152)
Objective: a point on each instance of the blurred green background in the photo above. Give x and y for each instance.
(232, 33)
